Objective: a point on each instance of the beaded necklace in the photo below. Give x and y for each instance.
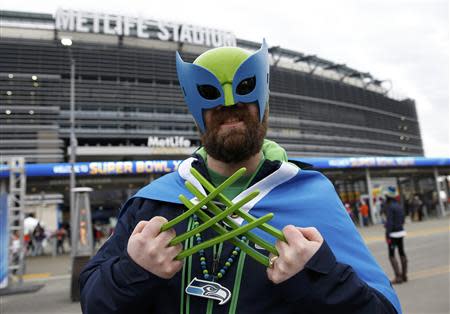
(209, 287)
(215, 276)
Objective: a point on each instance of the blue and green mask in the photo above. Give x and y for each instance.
(225, 76)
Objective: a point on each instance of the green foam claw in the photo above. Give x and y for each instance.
(210, 188)
(235, 241)
(208, 198)
(216, 211)
(224, 237)
(213, 220)
(223, 215)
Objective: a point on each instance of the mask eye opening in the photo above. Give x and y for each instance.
(246, 86)
(208, 92)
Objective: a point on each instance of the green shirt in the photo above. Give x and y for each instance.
(237, 187)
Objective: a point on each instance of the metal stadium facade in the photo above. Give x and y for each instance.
(128, 103)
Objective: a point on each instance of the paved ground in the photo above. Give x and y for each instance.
(427, 291)
(428, 249)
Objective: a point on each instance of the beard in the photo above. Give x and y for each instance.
(238, 144)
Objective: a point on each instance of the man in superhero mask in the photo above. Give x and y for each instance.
(321, 264)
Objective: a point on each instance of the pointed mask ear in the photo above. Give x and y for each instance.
(251, 80)
(201, 89)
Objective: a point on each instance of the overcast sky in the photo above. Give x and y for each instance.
(406, 41)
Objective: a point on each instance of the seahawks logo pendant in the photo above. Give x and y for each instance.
(209, 290)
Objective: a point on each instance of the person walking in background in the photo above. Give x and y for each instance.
(349, 210)
(395, 218)
(416, 207)
(38, 239)
(60, 235)
(364, 211)
(15, 249)
(28, 243)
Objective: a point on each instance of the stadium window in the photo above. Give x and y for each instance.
(144, 80)
(162, 82)
(90, 77)
(108, 78)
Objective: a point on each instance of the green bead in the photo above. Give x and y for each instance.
(234, 253)
(205, 272)
(219, 275)
(198, 235)
(228, 264)
(202, 259)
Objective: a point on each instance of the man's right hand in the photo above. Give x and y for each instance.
(149, 248)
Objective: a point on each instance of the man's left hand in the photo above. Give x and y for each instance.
(301, 244)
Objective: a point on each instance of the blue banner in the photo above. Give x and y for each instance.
(4, 240)
(375, 162)
(99, 168)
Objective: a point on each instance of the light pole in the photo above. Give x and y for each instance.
(67, 42)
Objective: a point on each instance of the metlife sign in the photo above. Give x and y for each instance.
(122, 25)
(171, 141)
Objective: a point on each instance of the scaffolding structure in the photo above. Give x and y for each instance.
(16, 207)
(15, 225)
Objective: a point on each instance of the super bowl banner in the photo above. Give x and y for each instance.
(4, 240)
(375, 162)
(98, 168)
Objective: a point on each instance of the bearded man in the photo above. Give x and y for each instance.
(321, 265)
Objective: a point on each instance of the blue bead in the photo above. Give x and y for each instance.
(225, 267)
(206, 276)
(199, 239)
(223, 271)
(237, 248)
(202, 251)
(202, 263)
(230, 260)
(244, 238)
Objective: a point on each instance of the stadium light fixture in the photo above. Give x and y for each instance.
(66, 42)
